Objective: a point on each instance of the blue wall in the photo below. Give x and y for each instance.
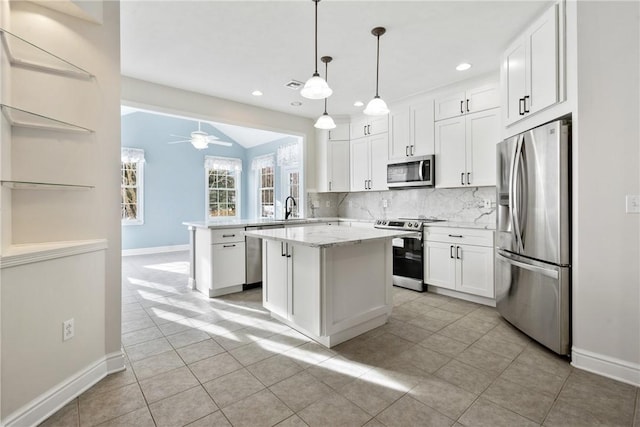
(174, 177)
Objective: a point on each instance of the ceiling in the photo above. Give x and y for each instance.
(228, 49)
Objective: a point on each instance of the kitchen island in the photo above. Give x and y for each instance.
(329, 283)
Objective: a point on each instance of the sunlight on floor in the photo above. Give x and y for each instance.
(180, 267)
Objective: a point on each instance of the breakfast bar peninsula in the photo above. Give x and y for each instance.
(330, 283)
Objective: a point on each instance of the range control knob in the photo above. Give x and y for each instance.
(409, 225)
(415, 224)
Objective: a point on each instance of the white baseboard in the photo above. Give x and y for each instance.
(155, 250)
(461, 295)
(51, 401)
(607, 366)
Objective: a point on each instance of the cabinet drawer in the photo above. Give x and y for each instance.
(228, 265)
(227, 235)
(467, 236)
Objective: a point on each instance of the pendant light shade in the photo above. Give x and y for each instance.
(316, 87)
(325, 121)
(377, 107)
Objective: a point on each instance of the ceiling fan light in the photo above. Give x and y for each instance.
(325, 122)
(316, 88)
(199, 143)
(376, 107)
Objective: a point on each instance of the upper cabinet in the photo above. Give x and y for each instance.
(411, 130)
(369, 163)
(467, 101)
(369, 126)
(530, 73)
(340, 132)
(333, 159)
(466, 150)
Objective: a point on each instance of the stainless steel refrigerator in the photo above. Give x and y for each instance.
(533, 257)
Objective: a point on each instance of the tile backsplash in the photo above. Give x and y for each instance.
(453, 204)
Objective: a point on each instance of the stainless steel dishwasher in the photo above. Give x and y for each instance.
(253, 252)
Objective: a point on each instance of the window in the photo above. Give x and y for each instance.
(267, 206)
(223, 183)
(291, 181)
(265, 178)
(132, 176)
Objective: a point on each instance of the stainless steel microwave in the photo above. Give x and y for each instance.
(413, 172)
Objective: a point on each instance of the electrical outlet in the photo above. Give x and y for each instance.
(68, 329)
(632, 204)
(385, 203)
(487, 203)
(327, 203)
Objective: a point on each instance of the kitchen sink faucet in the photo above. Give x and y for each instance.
(289, 210)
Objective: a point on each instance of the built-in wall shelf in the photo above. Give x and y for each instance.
(30, 185)
(28, 253)
(26, 119)
(24, 54)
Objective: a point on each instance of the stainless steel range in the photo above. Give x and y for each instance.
(408, 268)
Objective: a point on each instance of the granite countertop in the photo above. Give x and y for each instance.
(323, 236)
(241, 223)
(456, 224)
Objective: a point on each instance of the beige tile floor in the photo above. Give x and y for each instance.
(439, 361)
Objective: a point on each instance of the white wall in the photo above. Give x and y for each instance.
(87, 290)
(606, 257)
(170, 100)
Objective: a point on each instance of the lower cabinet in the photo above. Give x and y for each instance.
(220, 261)
(292, 286)
(460, 260)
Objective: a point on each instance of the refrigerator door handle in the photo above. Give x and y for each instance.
(513, 194)
(540, 270)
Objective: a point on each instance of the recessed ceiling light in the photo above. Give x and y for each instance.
(296, 103)
(358, 104)
(464, 66)
(256, 93)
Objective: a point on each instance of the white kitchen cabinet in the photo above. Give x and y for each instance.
(411, 130)
(466, 149)
(369, 163)
(369, 126)
(340, 132)
(466, 101)
(333, 159)
(291, 290)
(531, 69)
(460, 260)
(220, 261)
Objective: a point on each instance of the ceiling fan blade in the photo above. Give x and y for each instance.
(178, 142)
(224, 143)
(180, 136)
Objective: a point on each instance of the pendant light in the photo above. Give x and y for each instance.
(325, 121)
(316, 87)
(377, 107)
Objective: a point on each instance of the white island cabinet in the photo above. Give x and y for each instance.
(329, 283)
(219, 261)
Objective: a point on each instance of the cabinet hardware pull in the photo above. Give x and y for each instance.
(282, 249)
(462, 178)
(228, 235)
(368, 129)
(521, 106)
(406, 150)
(364, 129)
(329, 135)
(469, 178)
(228, 246)
(456, 235)
(451, 252)
(413, 150)
(461, 110)
(458, 252)
(526, 110)
(467, 105)
(329, 185)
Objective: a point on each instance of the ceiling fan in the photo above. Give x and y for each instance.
(200, 139)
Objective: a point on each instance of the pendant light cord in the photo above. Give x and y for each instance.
(377, 64)
(316, 36)
(326, 79)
